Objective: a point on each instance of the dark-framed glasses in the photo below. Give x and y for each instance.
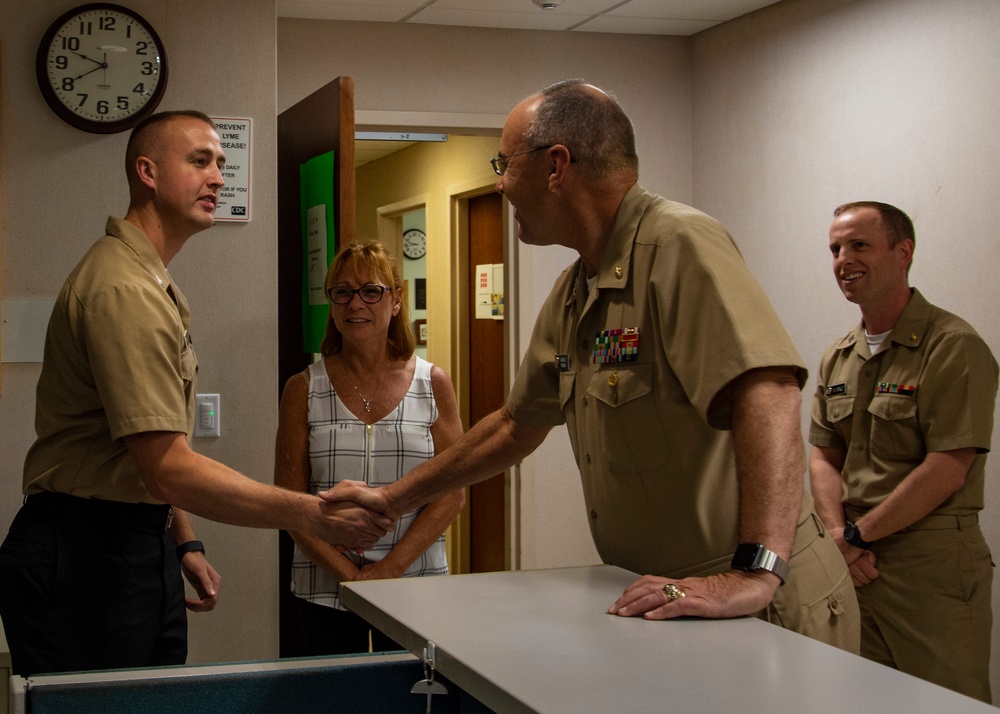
(370, 294)
(500, 161)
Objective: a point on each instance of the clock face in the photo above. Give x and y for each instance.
(101, 68)
(414, 243)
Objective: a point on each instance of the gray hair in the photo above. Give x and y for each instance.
(590, 123)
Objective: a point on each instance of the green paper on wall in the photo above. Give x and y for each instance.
(319, 245)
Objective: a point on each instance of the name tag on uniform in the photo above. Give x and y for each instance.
(614, 346)
(835, 389)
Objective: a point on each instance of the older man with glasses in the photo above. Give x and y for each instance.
(676, 380)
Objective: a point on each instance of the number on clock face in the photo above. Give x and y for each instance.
(104, 68)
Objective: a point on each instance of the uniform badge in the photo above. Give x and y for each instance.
(614, 346)
(835, 389)
(905, 389)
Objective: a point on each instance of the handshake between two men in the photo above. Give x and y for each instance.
(358, 516)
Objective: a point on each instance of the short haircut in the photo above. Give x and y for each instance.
(898, 226)
(381, 267)
(146, 133)
(590, 123)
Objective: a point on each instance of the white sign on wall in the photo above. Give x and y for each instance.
(234, 198)
(489, 291)
(316, 239)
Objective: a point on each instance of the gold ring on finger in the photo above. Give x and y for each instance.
(673, 592)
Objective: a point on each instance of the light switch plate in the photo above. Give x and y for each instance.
(206, 416)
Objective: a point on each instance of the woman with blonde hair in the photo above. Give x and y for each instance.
(369, 410)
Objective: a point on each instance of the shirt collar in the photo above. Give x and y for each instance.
(139, 244)
(614, 270)
(908, 331)
(616, 261)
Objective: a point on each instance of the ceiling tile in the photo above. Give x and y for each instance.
(647, 17)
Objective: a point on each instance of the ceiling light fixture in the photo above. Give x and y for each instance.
(547, 4)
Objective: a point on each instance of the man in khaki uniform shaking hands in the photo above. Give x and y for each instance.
(90, 571)
(674, 377)
(901, 423)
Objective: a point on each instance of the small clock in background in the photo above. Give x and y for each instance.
(414, 243)
(101, 68)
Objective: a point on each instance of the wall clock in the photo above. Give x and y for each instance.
(414, 243)
(101, 68)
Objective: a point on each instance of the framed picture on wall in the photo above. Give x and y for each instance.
(420, 293)
(420, 331)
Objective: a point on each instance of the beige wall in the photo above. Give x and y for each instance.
(59, 186)
(480, 74)
(812, 103)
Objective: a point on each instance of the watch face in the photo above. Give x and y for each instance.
(852, 535)
(101, 68)
(414, 243)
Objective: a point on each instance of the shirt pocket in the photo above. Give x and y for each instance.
(627, 421)
(896, 431)
(839, 408)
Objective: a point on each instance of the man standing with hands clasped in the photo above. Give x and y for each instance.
(674, 376)
(901, 423)
(90, 572)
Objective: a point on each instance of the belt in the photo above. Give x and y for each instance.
(100, 511)
(932, 522)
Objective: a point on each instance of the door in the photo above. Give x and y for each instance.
(487, 500)
(322, 122)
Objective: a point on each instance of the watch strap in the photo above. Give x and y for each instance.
(754, 556)
(189, 547)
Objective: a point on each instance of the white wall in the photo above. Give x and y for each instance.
(812, 103)
(60, 184)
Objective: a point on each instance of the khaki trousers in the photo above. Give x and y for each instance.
(929, 612)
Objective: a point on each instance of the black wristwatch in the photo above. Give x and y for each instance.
(853, 536)
(754, 556)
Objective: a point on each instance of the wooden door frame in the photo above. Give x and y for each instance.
(459, 195)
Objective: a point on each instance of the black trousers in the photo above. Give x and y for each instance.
(87, 584)
(329, 631)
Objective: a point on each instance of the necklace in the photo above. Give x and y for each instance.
(368, 402)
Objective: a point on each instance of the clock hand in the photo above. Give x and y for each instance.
(88, 58)
(103, 66)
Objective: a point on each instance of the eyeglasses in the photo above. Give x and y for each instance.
(370, 294)
(500, 161)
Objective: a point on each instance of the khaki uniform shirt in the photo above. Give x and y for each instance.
(658, 472)
(118, 361)
(932, 387)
